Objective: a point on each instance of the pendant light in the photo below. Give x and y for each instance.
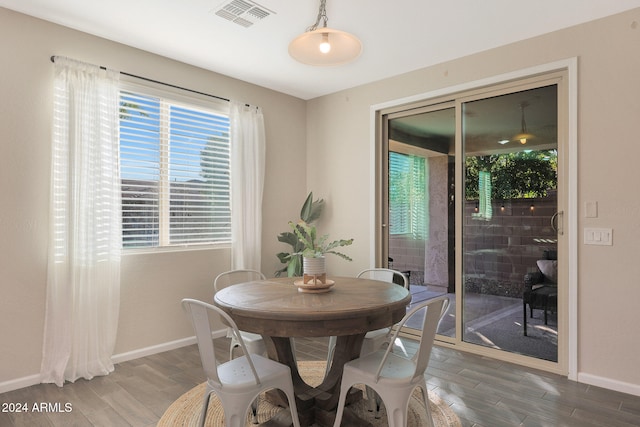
(324, 46)
(523, 136)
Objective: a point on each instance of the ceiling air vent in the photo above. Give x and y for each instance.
(242, 12)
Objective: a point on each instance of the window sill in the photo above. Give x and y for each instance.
(176, 248)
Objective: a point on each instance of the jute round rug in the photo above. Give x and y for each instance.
(186, 410)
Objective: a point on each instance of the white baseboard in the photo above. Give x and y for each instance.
(610, 384)
(30, 380)
(154, 349)
(19, 383)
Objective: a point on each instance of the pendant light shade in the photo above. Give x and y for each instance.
(324, 46)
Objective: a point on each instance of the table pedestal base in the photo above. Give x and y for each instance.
(316, 405)
(310, 411)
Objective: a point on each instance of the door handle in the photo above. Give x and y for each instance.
(557, 222)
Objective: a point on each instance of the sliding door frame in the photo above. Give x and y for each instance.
(567, 354)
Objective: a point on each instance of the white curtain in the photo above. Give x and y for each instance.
(83, 278)
(247, 184)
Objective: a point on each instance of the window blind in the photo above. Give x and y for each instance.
(485, 210)
(407, 195)
(175, 168)
(399, 208)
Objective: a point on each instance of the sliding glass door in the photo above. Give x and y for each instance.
(471, 206)
(421, 230)
(510, 198)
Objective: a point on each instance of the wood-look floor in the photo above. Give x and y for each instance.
(482, 391)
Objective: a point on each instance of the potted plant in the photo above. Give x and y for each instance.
(313, 251)
(309, 213)
(301, 241)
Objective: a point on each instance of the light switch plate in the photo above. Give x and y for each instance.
(598, 236)
(591, 210)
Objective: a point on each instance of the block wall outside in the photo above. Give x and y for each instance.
(500, 251)
(408, 255)
(497, 252)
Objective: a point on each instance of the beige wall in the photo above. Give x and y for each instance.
(152, 284)
(338, 136)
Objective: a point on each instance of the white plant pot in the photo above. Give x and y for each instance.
(314, 270)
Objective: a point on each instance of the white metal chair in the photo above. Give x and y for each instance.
(373, 340)
(238, 382)
(380, 337)
(254, 342)
(392, 376)
(384, 274)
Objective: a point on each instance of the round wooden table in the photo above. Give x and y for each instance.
(276, 310)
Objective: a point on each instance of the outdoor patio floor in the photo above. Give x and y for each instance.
(496, 322)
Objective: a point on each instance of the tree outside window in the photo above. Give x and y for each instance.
(518, 175)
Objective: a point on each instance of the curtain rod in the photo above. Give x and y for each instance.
(53, 59)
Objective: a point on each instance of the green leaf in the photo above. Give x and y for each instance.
(284, 257)
(341, 255)
(304, 233)
(306, 207)
(311, 210)
(337, 243)
(295, 267)
(288, 237)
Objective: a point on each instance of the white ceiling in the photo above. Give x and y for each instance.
(398, 36)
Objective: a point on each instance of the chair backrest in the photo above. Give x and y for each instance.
(202, 315)
(435, 310)
(384, 275)
(232, 277)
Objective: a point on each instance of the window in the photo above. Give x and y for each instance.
(175, 170)
(407, 194)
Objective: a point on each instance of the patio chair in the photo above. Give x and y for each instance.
(541, 288)
(394, 377)
(238, 382)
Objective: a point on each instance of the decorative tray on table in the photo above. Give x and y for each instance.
(314, 288)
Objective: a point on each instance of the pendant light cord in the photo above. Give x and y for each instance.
(322, 16)
(523, 105)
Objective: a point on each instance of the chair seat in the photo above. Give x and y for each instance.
(371, 335)
(246, 336)
(254, 342)
(375, 340)
(237, 374)
(396, 368)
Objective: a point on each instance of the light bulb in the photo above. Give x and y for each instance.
(325, 46)
(523, 141)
